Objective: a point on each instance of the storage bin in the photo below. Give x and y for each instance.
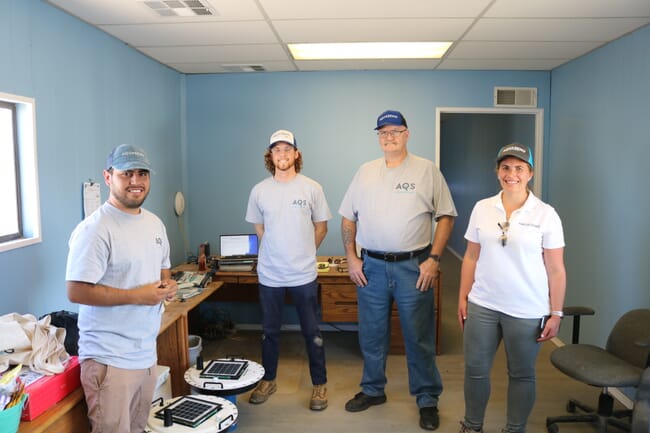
(194, 348)
(10, 418)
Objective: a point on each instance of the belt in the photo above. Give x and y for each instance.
(395, 257)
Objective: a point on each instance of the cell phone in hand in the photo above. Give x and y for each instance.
(542, 324)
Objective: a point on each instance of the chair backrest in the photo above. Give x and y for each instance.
(632, 326)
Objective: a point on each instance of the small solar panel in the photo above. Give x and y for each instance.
(224, 369)
(190, 411)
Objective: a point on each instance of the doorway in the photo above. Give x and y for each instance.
(467, 141)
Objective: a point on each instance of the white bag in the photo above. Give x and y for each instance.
(34, 343)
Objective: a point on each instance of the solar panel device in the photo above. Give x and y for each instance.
(190, 411)
(231, 369)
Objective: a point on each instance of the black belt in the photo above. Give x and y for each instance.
(395, 257)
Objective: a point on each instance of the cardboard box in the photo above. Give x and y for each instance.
(49, 390)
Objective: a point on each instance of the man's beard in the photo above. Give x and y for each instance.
(130, 203)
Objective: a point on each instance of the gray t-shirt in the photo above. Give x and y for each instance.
(122, 250)
(287, 255)
(394, 207)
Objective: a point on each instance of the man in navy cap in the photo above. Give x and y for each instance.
(387, 213)
(119, 272)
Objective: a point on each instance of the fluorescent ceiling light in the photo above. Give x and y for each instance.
(369, 50)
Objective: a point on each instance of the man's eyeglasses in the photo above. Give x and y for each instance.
(393, 134)
(504, 232)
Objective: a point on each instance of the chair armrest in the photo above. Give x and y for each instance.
(577, 312)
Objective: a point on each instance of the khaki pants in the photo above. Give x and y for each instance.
(118, 400)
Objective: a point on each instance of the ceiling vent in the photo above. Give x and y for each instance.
(243, 68)
(522, 97)
(180, 8)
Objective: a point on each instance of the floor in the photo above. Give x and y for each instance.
(288, 409)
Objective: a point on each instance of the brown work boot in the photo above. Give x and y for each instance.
(318, 397)
(263, 391)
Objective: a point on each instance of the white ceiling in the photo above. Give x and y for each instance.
(486, 34)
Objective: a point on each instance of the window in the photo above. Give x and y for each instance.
(20, 219)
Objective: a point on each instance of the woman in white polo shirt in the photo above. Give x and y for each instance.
(512, 288)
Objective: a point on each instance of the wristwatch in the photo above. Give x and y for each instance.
(559, 314)
(435, 257)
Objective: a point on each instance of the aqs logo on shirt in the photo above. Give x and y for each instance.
(300, 203)
(404, 187)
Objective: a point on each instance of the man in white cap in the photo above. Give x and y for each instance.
(118, 270)
(290, 214)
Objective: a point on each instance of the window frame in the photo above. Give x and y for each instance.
(26, 163)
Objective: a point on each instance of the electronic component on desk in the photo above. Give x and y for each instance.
(231, 369)
(190, 411)
(187, 292)
(186, 279)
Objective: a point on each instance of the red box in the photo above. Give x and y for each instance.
(48, 390)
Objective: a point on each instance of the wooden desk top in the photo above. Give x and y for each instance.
(177, 308)
(333, 270)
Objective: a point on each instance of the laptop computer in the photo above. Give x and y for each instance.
(238, 252)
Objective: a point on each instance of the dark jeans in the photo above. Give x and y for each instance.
(305, 298)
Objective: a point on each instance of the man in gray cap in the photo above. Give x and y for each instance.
(118, 270)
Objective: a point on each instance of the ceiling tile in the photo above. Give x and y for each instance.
(100, 12)
(375, 30)
(569, 8)
(502, 64)
(305, 9)
(554, 29)
(521, 50)
(237, 32)
(222, 53)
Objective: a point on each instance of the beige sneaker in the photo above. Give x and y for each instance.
(465, 429)
(263, 391)
(318, 397)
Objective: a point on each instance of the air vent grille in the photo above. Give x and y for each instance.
(243, 68)
(515, 97)
(180, 8)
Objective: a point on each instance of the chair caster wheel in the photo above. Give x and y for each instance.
(552, 428)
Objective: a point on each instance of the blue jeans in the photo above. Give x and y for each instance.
(396, 281)
(305, 298)
(484, 330)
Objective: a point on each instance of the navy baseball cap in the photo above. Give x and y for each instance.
(390, 117)
(516, 150)
(127, 157)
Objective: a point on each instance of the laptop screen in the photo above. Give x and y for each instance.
(238, 245)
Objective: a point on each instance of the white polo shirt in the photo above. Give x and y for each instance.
(512, 278)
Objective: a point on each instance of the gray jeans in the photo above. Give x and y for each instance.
(484, 330)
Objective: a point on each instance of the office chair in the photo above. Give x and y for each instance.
(641, 412)
(619, 364)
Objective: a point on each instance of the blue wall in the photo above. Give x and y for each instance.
(230, 119)
(92, 93)
(206, 135)
(599, 177)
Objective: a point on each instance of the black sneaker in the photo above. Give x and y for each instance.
(429, 418)
(362, 401)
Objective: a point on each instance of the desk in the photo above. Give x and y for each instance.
(337, 298)
(70, 414)
(173, 344)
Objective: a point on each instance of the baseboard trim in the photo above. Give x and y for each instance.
(337, 327)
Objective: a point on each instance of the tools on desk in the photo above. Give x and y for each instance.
(191, 283)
